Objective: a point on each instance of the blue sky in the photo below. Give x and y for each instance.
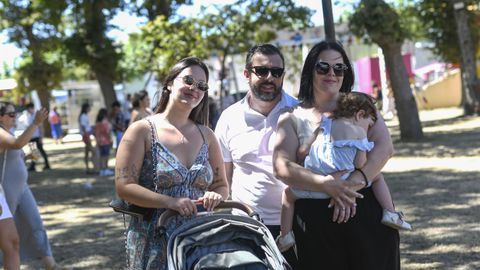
(129, 24)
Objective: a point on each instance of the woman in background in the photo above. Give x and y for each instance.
(141, 106)
(103, 136)
(33, 237)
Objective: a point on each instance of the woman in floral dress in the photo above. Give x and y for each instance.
(170, 160)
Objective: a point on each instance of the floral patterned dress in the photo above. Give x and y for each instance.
(162, 172)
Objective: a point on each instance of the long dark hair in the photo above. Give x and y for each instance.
(199, 114)
(265, 49)
(137, 97)
(84, 110)
(305, 94)
(102, 113)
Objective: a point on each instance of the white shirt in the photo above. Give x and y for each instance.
(247, 139)
(84, 124)
(25, 120)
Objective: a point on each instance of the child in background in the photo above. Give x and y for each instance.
(339, 143)
(104, 141)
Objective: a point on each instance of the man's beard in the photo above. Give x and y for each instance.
(265, 96)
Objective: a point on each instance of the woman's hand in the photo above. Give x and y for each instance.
(184, 206)
(210, 200)
(40, 116)
(342, 214)
(342, 192)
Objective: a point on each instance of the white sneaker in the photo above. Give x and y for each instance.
(285, 242)
(395, 220)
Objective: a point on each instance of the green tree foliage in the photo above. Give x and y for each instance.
(34, 27)
(234, 28)
(160, 44)
(229, 29)
(151, 9)
(88, 43)
(438, 20)
(382, 24)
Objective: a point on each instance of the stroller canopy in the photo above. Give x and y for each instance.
(223, 241)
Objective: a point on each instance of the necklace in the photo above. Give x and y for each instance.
(182, 140)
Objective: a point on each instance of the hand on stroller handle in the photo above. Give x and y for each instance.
(227, 204)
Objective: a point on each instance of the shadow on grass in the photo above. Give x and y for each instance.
(452, 143)
(444, 209)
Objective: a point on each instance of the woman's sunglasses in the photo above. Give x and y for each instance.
(324, 67)
(263, 71)
(10, 114)
(189, 80)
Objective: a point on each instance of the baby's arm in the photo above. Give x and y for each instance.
(360, 159)
(288, 209)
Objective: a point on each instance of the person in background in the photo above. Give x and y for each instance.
(127, 109)
(86, 131)
(118, 122)
(55, 125)
(246, 131)
(9, 240)
(26, 120)
(103, 137)
(377, 95)
(34, 242)
(141, 106)
(340, 144)
(324, 233)
(175, 152)
(227, 99)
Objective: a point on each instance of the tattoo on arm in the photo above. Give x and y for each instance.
(128, 174)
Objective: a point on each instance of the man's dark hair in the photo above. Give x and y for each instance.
(30, 106)
(266, 49)
(115, 104)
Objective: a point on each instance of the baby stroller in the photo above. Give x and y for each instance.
(221, 240)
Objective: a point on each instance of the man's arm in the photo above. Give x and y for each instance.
(229, 172)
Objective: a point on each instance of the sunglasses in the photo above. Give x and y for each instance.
(10, 114)
(324, 67)
(189, 80)
(263, 71)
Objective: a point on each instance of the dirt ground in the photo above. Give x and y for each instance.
(435, 182)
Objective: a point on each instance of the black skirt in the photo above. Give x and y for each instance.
(363, 243)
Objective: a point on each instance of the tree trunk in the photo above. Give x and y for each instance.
(44, 96)
(407, 111)
(470, 83)
(106, 86)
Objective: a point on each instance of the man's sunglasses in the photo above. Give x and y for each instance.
(324, 67)
(189, 80)
(11, 114)
(263, 71)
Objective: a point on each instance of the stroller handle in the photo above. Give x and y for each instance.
(227, 204)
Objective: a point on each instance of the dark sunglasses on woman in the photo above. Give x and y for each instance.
(11, 114)
(189, 80)
(263, 71)
(324, 67)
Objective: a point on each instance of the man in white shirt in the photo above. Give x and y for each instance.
(26, 120)
(246, 132)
